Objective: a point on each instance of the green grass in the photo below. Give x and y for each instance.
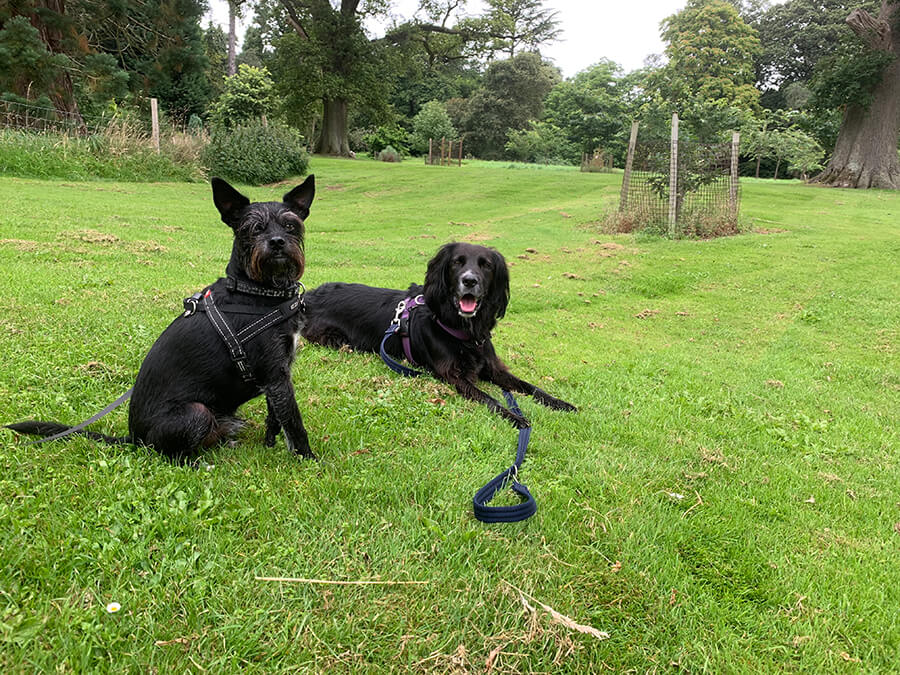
(725, 500)
(115, 154)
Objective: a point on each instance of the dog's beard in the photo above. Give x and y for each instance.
(276, 268)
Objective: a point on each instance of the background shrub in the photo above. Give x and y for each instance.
(388, 135)
(389, 154)
(542, 143)
(256, 154)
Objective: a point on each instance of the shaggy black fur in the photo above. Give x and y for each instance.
(466, 288)
(188, 389)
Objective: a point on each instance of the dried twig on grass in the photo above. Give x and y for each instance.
(298, 580)
(561, 619)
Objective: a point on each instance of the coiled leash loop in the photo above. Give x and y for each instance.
(483, 512)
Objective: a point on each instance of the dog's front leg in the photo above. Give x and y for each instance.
(470, 391)
(281, 400)
(273, 426)
(505, 379)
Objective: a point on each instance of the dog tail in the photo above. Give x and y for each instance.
(45, 429)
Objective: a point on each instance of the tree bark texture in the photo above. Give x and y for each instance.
(333, 139)
(232, 37)
(62, 93)
(865, 154)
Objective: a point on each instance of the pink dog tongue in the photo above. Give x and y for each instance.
(467, 304)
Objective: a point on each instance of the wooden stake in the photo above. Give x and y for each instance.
(673, 177)
(733, 194)
(626, 179)
(154, 119)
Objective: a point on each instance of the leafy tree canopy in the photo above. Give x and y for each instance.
(711, 54)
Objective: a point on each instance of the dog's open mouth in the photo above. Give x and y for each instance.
(467, 305)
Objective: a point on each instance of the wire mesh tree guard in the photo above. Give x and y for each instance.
(681, 187)
(600, 161)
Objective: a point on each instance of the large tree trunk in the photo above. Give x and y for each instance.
(232, 37)
(333, 138)
(865, 155)
(61, 90)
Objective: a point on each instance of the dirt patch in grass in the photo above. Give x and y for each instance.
(90, 237)
(24, 245)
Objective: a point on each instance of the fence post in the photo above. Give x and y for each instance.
(673, 176)
(154, 118)
(460, 153)
(733, 194)
(629, 160)
(430, 148)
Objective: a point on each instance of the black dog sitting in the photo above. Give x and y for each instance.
(235, 341)
(466, 290)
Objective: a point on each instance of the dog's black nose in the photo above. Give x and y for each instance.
(276, 243)
(469, 280)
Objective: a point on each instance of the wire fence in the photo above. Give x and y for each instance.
(681, 187)
(44, 119)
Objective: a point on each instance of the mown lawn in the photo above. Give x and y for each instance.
(725, 500)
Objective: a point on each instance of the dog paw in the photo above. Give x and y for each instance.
(552, 402)
(518, 421)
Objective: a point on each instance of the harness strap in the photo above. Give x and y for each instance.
(235, 341)
(238, 355)
(483, 512)
(203, 301)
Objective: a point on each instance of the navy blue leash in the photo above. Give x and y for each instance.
(483, 512)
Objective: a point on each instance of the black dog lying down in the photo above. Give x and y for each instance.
(466, 290)
(202, 368)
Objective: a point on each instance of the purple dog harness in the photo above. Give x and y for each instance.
(483, 512)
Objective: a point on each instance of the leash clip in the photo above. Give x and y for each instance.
(192, 303)
(401, 306)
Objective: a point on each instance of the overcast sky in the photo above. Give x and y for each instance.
(625, 32)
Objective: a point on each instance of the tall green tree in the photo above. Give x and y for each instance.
(159, 43)
(515, 25)
(711, 54)
(340, 61)
(590, 107)
(35, 62)
(868, 89)
(215, 48)
(512, 94)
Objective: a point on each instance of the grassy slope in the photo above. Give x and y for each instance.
(725, 499)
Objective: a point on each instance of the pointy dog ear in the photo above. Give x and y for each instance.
(500, 285)
(228, 200)
(300, 198)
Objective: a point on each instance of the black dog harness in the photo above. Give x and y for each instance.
(486, 514)
(203, 301)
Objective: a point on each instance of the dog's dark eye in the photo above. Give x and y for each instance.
(460, 260)
(485, 263)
